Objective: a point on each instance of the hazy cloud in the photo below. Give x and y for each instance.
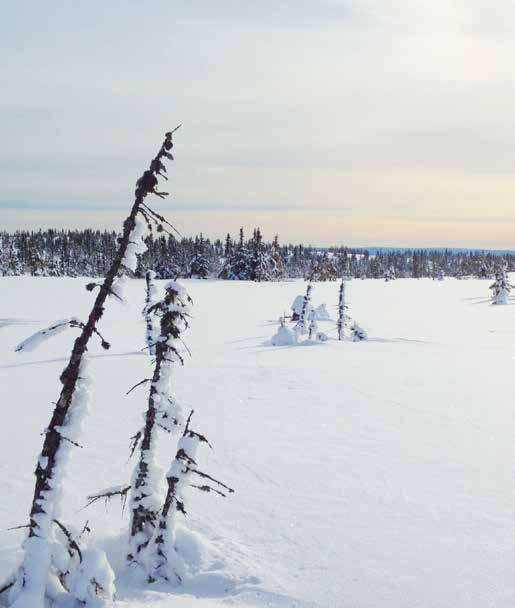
(349, 112)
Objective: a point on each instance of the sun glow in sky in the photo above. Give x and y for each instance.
(359, 122)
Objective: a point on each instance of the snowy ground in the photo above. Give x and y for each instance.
(367, 474)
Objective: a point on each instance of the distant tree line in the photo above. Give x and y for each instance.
(90, 253)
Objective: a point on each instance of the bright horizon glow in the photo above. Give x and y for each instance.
(354, 122)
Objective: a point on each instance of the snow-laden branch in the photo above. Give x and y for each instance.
(33, 341)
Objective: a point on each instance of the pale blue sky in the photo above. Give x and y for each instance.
(337, 121)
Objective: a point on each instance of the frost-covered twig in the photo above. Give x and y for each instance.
(108, 494)
(38, 560)
(144, 381)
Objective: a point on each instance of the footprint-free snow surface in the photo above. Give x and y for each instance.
(367, 474)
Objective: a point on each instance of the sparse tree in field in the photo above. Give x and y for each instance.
(40, 567)
(302, 324)
(500, 288)
(163, 561)
(342, 307)
(163, 413)
(358, 334)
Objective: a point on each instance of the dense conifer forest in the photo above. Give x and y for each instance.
(90, 253)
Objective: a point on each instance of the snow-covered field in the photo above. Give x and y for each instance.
(379, 473)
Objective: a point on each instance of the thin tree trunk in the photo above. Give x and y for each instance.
(162, 410)
(48, 484)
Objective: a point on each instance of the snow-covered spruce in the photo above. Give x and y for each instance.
(259, 259)
(163, 412)
(150, 299)
(301, 325)
(37, 569)
(358, 334)
(342, 307)
(500, 288)
(296, 307)
(164, 563)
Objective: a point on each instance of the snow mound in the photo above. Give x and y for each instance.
(321, 313)
(284, 337)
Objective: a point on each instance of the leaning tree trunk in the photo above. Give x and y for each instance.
(33, 574)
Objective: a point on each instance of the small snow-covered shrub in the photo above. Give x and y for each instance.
(500, 288)
(296, 307)
(358, 334)
(284, 336)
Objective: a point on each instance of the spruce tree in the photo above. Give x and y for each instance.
(237, 267)
(259, 264)
(342, 307)
(163, 412)
(199, 267)
(500, 288)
